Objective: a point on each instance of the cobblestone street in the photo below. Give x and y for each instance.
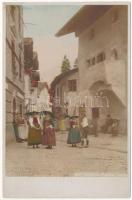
(106, 156)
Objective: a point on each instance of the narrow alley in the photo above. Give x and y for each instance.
(105, 156)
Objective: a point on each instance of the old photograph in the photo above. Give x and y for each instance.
(66, 90)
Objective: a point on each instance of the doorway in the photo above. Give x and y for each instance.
(95, 112)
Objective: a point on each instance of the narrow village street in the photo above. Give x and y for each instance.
(106, 156)
(66, 97)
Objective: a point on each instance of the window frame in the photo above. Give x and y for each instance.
(101, 57)
(72, 85)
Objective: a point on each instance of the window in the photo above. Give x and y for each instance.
(20, 110)
(72, 85)
(19, 21)
(12, 12)
(14, 109)
(57, 92)
(101, 57)
(13, 57)
(114, 16)
(20, 67)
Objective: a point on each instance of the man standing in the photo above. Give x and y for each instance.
(84, 131)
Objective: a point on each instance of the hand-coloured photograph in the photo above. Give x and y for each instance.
(66, 96)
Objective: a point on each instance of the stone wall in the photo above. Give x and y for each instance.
(14, 73)
(110, 33)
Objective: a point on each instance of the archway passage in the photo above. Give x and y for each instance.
(110, 104)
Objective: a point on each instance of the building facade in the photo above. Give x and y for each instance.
(44, 101)
(28, 64)
(102, 60)
(65, 92)
(14, 66)
(31, 75)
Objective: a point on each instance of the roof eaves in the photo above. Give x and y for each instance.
(60, 32)
(62, 75)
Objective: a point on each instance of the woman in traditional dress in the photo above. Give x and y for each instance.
(34, 133)
(74, 133)
(48, 137)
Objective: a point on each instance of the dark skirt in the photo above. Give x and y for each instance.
(48, 137)
(74, 136)
(34, 136)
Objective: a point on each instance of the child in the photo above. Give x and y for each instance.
(84, 130)
(74, 133)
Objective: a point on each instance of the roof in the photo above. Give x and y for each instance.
(63, 75)
(83, 18)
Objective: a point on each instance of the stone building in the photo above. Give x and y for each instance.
(14, 66)
(65, 91)
(102, 59)
(28, 64)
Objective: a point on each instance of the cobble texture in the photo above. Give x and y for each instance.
(105, 156)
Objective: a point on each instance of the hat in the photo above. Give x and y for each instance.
(49, 113)
(74, 117)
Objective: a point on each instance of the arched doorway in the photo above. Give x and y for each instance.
(111, 104)
(14, 108)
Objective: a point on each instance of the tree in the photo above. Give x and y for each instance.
(65, 65)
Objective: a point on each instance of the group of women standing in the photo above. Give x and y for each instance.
(41, 131)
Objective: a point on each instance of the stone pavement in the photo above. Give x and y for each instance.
(106, 156)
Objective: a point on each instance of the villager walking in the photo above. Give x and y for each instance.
(34, 133)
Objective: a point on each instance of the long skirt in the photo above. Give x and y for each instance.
(34, 136)
(62, 125)
(48, 137)
(74, 136)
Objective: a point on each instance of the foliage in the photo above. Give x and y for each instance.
(65, 65)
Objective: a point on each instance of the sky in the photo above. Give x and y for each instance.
(42, 22)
